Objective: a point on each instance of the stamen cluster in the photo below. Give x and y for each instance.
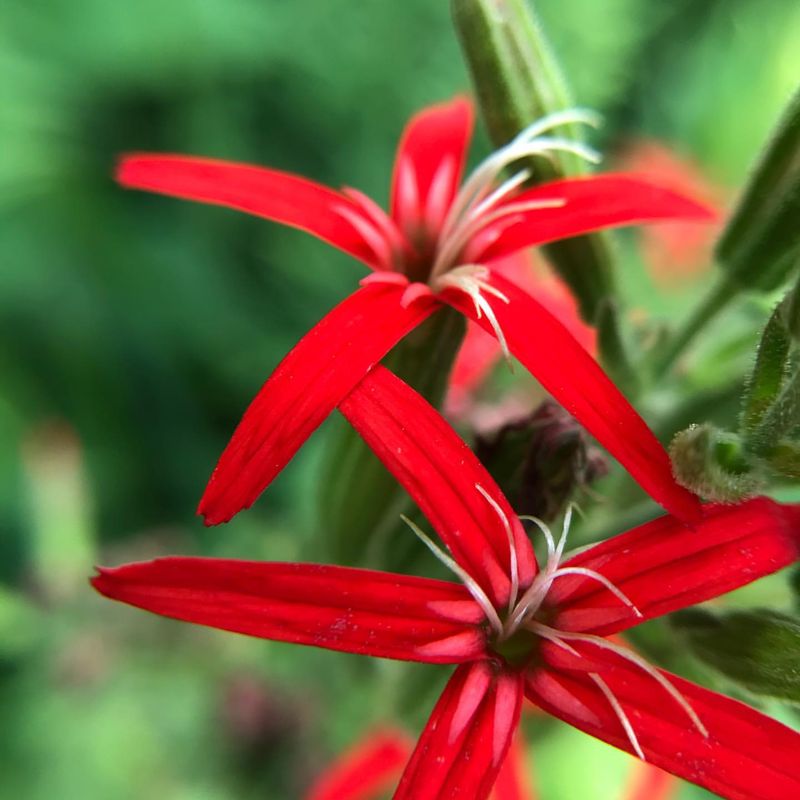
(522, 609)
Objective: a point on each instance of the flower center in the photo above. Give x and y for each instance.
(518, 632)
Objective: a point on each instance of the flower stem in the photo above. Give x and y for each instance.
(719, 296)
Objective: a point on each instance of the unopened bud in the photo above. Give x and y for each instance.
(714, 464)
(518, 80)
(541, 460)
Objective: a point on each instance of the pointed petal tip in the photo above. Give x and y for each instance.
(127, 169)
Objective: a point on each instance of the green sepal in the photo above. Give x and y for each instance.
(784, 459)
(359, 501)
(768, 375)
(761, 242)
(759, 650)
(781, 419)
(517, 80)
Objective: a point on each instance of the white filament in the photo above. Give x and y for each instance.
(472, 279)
(620, 712)
(628, 655)
(512, 550)
(471, 584)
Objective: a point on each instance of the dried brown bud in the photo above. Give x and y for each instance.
(541, 460)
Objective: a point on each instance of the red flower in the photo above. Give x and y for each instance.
(480, 350)
(367, 770)
(512, 629)
(675, 252)
(435, 247)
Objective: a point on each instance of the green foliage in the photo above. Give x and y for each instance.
(759, 650)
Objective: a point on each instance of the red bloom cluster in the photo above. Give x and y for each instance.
(511, 627)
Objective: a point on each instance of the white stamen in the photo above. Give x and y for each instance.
(534, 596)
(564, 531)
(512, 550)
(471, 279)
(452, 245)
(540, 524)
(500, 192)
(479, 183)
(472, 585)
(569, 116)
(634, 658)
(555, 638)
(590, 573)
(370, 234)
(620, 712)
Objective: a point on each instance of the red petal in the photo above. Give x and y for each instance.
(278, 196)
(435, 136)
(368, 769)
(445, 766)
(747, 755)
(338, 608)
(440, 473)
(305, 387)
(555, 358)
(602, 201)
(512, 781)
(663, 566)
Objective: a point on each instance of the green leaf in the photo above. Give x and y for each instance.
(758, 649)
(761, 242)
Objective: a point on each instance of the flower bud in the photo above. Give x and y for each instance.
(541, 460)
(714, 464)
(517, 80)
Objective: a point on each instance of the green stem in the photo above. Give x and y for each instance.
(719, 296)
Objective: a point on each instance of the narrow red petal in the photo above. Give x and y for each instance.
(747, 755)
(269, 193)
(446, 767)
(512, 781)
(436, 135)
(590, 204)
(480, 351)
(556, 359)
(305, 387)
(662, 566)
(440, 473)
(338, 608)
(370, 768)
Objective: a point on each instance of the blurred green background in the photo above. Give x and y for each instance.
(135, 329)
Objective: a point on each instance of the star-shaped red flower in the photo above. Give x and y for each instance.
(435, 247)
(510, 627)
